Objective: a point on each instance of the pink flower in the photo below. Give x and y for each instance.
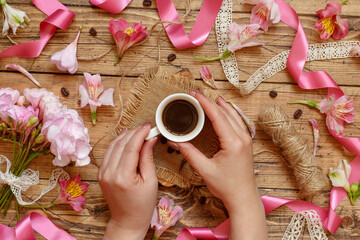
(207, 76)
(265, 13)
(34, 95)
(65, 59)
(315, 127)
(90, 92)
(243, 36)
(125, 36)
(14, 94)
(50, 107)
(330, 23)
(71, 192)
(69, 139)
(23, 115)
(355, 51)
(165, 216)
(23, 71)
(337, 111)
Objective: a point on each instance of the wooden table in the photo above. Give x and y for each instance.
(201, 209)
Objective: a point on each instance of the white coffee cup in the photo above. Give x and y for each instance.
(161, 129)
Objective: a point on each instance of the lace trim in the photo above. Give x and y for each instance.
(318, 51)
(298, 221)
(28, 178)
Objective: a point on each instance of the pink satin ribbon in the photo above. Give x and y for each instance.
(58, 17)
(306, 80)
(112, 6)
(24, 229)
(202, 26)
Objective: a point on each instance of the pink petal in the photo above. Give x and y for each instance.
(315, 127)
(332, 8)
(107, 98)
(166, 203)
(355, 51)
(77, 203)
(207, 76)
(260, 14)
(23, 71)
(275, 15)
(154, 218)
(341, 29)
(336, 126)
(175, 215)
(84, 96)
(83, 162)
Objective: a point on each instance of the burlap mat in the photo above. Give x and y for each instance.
(152, 88)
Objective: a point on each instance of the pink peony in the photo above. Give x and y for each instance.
(243, 36)
(337, 111)
(13, 93)
(91, 92)
(125, 36)
(34, 95)
(71, 192)
(265, 13)
(330, 23)
(65, 59)
(165, 216)
(50, 107)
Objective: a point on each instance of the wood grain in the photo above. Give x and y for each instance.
(201, 208)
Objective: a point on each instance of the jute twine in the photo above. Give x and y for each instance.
(296, 150)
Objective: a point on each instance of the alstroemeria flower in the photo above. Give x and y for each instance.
(243, 36)
(13, 18)
(315, 127)
(90, 92)
(125, 36)
(355, 51)
(337, 111)
(340, 176)
(330, 23)
(165, 215)
(207, 76)
(71, 192)
(65, 60)
(265, 13)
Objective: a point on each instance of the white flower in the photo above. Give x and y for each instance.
(340, 176)
(13, 18)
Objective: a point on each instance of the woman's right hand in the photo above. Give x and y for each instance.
(229, 174)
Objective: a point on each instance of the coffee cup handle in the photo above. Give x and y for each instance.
(153, 133)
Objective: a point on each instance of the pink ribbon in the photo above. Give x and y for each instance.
(58, 17)
(24, 229)
(202, 26)
(112, 6)
(306, 80)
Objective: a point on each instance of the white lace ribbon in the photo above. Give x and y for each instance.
(28, 178)
(298, 221)
(318, 51)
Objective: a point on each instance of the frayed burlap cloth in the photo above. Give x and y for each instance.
(152, 88)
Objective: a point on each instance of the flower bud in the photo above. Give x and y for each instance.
(32, 121)
(39, 139)
(354, 187)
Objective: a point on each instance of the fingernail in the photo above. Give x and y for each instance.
(124, 130)
(146, 124)
(173, 145)
(221, 99)
(192, 92)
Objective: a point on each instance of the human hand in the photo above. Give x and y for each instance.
(229, 174)
(128, 180)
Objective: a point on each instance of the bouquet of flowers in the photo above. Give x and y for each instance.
(37, 123)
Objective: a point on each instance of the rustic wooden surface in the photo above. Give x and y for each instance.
(201, 208)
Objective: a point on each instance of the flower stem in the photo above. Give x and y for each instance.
(7, 205)
(310, 103)
(155, 238)
(225, 54)
(42, 207)
(17, 211)
(93, 117)
(344, 2)
(117, 60)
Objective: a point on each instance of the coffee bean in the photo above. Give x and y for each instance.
(171, 57)
(273, 93)
(147, 3)
(202, 200)
(65, 92)
(177, 151)
(92, 31)
(163, 140)
(297, 113)
(170, 150)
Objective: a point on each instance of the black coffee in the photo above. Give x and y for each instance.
(180, 117)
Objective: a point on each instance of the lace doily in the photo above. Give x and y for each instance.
(28, 178)
(298, 221)
(318, 51)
